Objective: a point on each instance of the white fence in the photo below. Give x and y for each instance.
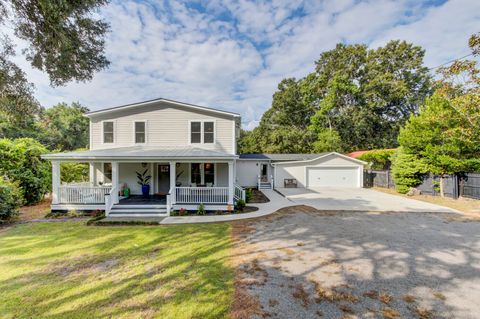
(206, 195)
(82, 195)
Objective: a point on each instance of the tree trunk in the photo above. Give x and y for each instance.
(442, 191)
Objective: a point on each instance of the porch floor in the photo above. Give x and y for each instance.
(144, 200)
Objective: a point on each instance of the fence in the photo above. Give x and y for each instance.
(455, 185)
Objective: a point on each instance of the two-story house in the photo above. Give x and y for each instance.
(190, 154)
(188, 150)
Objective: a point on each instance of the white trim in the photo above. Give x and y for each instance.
(202, 132)
(234, 138)
(77, 207)
(114, 132)
(322, 156)
(135, 133)
(191, 106)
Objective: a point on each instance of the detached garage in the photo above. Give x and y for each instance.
(327, 170)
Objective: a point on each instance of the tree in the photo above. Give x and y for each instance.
(21, 163)
(283, 128)
(64, 40)
(408, 170)
(64, 127)
(379, 159)
(367, 95)
(357, 98)
(10, 198)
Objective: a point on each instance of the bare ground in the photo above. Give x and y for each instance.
(304, 263)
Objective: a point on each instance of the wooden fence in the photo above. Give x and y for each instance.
(455, 185)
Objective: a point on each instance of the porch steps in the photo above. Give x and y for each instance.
(138, 211)
(265, 185)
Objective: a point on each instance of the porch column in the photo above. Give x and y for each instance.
(115, 181)
(92, 176)
(173, 177)
(55, 181)
(152, 179)
(230, 183)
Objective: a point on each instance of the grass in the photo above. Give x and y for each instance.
(465, 205)
(70, 270)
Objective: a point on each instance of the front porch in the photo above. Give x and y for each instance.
(173, 185)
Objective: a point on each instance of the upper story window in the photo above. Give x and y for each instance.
(108, 133)
(140, 128)
(202, 132)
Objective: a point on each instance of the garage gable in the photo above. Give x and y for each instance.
(329, 170)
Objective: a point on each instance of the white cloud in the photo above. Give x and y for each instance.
(233, 54)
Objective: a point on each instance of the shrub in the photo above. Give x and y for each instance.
(74, 172)
(182, 212)
(21, 162)
(248, 195)
(380, 159)
(407, 171)
(240, 205)
(10, 198)
(201, 209)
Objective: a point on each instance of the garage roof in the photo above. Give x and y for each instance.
(282, 157)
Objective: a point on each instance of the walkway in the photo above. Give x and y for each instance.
(276, 202)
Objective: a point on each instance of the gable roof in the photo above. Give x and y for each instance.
(149, 102)
(281, 157)
(325, 155)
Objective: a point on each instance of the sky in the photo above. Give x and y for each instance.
(231, 55)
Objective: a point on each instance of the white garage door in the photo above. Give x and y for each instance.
(332, 177)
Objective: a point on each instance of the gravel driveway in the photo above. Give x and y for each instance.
(303, 263)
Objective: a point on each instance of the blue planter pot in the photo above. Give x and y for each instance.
(145, 190)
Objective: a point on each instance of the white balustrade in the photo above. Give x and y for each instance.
(82, 195)
(239, 192)
(206, 195)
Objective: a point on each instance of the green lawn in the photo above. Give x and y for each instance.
(69, 270)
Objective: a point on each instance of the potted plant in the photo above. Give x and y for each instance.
(144, 181)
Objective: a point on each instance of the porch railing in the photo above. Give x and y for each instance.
(206, 195)
(82, 194)
(239, 192)
(110, 200)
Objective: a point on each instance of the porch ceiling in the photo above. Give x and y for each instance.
(142, 153)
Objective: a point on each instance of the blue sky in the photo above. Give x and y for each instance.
(232, 54)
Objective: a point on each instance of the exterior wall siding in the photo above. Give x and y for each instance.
(247, 172)
(298, 170)
(167, 126)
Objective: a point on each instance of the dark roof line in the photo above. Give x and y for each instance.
(159, 100)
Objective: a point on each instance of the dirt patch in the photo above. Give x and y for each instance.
(82, 266)
(258, 197)
(37, 211)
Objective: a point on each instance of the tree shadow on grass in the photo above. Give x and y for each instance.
(68, 270)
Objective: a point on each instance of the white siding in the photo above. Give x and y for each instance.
(298, 170)
(167, 126)
(128, 176)
(248, 170)
(222, 174)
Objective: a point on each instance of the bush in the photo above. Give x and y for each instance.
(248, 195)
(21, 162)
(201, 209)
(380, 159)
(240, 205)
(10, 199)
(407, 171)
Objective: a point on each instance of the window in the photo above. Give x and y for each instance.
(140, 132)
(202, 173)
(195, 174)
(195, 132)
(208, 132)
(209, 173)
(107, 173)
(202, 132)
(108, 132)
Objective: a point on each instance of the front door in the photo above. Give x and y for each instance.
(163, 178)
(264, 173)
